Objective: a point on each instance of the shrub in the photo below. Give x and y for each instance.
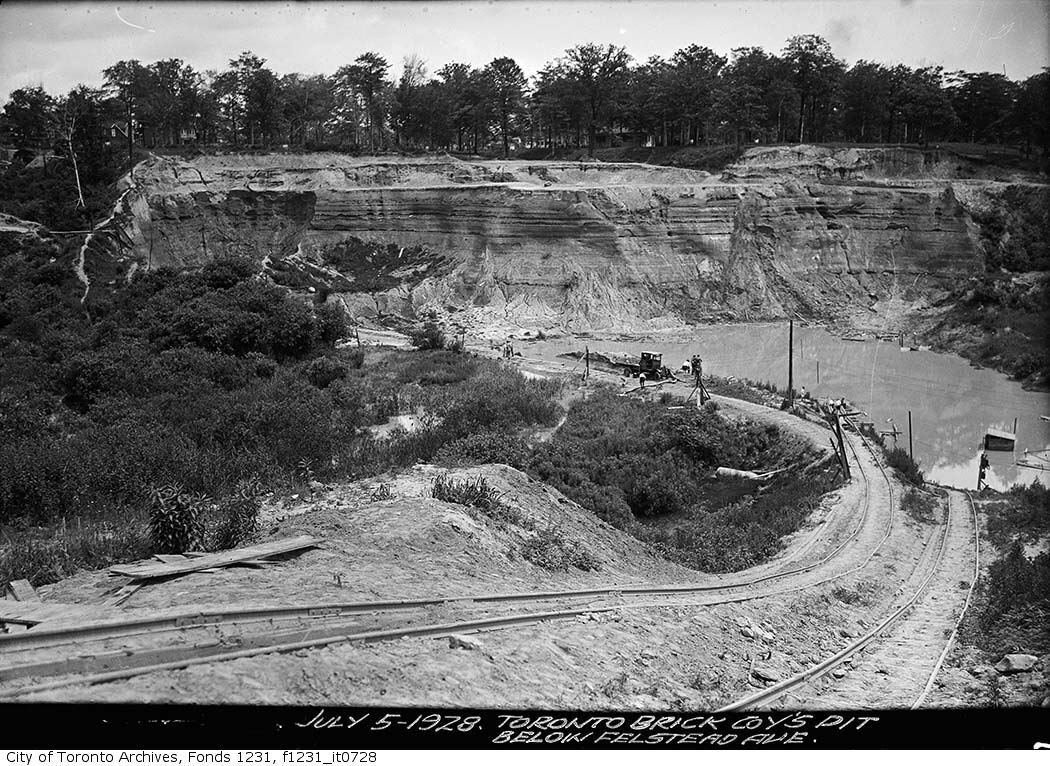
(549, 550)
(427, 335)
(475, 492)
(237, 517)
(175, 521)
(907, 469)
(628, 460)
(324, 370)
(920, 506)
(382, 492)
(484, 447)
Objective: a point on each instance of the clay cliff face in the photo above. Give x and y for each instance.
(595, 246)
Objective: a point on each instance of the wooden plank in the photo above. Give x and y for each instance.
(34, 612)
(212, 560)
(22, 590)
(123, 594)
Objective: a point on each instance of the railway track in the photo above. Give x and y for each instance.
(915, 637)
(111, 651)
(115, 650)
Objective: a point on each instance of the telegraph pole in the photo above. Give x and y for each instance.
(911, 453)
(791, 371)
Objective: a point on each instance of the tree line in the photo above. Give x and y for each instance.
(592, 96)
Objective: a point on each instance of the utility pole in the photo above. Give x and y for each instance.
(131, 143)
(791, 370)
(911, 453)
(587, 362)
(840, 451)
(818, 372)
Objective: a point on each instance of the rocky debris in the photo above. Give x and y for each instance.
(463, 642)
(748, 632)
(839, 672)
(765, 674)
(1016, 663)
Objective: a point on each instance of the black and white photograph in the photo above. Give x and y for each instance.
(481, 374)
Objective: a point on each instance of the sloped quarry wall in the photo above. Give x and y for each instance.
(586, 246)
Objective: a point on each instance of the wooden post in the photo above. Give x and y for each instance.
(1015, 426)
(911, 453)
(791, 371)
(818, 372)
(587, 362)
(842, 447)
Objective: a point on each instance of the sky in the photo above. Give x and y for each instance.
(59, 45)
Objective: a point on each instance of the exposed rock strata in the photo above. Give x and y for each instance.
(798, 231)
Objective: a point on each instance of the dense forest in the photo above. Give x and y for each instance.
(593, 95)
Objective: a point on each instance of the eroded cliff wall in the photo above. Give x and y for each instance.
(800, 231)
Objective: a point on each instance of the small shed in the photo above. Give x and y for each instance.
(999, 441)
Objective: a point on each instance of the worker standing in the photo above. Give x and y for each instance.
(641, 380)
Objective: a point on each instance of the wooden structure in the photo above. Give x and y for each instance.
(999, 441)
(176, 565)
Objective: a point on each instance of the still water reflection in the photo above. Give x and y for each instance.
(951, 403)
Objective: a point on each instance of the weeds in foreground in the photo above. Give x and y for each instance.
(382, 492)
(176, 519)
(237, 517)
(920, 506)
(550, 550)
(865, 593)
(475, 492)
(50, 554)
(907, 469)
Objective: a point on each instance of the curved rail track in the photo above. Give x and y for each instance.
(908, 650)
(118, 650)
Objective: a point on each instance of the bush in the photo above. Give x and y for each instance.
(484, 447)
(907, 469)
(549, 550)
(427, 335)
(1014, 604)
(920, 506)
(477, 492)
(237, 517)
(630, 461)
(324, 370)
(176, 522)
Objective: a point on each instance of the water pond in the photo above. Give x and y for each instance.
(952, 404)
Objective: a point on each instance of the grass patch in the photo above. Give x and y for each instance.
(475, 492)
(920, 506)
(907, 470)
(51, 553)
(865, 593)
(548, 549)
